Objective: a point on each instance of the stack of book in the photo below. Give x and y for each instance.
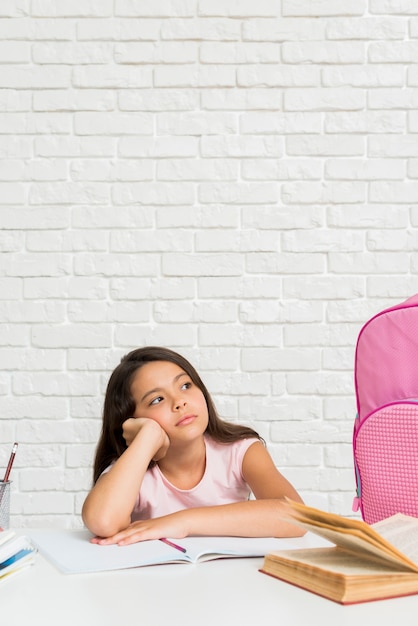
(16, 553)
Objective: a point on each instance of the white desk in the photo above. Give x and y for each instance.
(215, 593)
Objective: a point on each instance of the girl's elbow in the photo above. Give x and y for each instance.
(91, 523)
(101, 527)
(101, 524)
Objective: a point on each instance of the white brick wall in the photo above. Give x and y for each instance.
(236, 180)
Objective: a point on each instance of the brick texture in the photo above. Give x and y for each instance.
(235, 180)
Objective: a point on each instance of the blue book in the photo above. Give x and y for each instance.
(16, 553)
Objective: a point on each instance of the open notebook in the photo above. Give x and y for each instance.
(72, 553)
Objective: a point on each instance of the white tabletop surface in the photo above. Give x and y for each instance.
(228, 591)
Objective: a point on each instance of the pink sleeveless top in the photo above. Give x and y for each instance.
(222, 483)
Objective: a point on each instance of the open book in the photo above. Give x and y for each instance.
(366, 563)
(72, 553)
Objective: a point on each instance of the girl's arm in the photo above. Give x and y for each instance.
(253, 518)
(108, 507)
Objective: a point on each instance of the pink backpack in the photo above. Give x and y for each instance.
(385, 438)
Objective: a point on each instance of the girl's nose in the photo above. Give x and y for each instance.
(179, 404)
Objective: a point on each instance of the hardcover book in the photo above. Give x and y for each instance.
(364, 563)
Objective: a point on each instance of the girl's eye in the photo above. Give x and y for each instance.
(186, 386)
(156, 400)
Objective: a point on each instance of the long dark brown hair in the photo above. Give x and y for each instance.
(119, 406)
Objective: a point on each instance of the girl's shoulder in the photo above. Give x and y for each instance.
(226, 459)
(236, 449)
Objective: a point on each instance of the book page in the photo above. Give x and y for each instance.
(353, 541)
(347, 533)
(332, 560)
(72, 552)
(402, 532)
(207, 548)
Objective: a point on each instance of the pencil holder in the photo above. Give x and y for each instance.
(5, 504)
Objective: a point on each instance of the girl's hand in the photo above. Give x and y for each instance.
(134, 425)
(166, 526)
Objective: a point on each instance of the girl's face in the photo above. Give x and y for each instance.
(162, 391)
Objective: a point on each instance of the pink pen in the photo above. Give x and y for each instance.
(173, 545)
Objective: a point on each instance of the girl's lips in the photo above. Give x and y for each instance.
(186, 419)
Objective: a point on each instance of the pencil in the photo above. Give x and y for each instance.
(7, 473)
(10, 463)
(173, 545)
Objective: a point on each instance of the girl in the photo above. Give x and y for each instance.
(166, 465)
